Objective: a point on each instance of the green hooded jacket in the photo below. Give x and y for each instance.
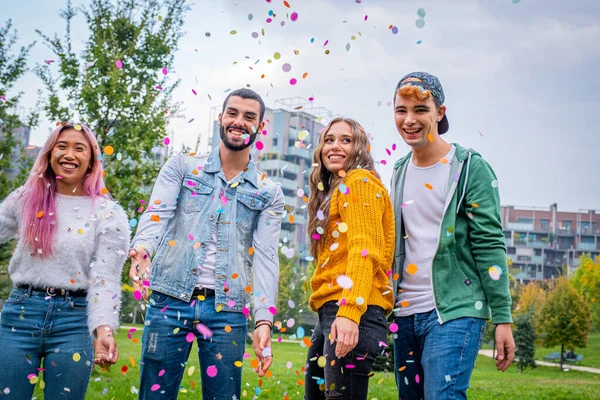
(469, 269)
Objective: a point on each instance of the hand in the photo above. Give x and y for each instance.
(261, 339)
(107, 352)
(346, 332)
(140, 269)
(505, 347)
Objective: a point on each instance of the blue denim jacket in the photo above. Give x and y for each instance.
(190, 197)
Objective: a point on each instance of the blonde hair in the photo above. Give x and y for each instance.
(360, 157)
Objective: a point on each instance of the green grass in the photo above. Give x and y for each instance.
(591, 353)
(487, 382)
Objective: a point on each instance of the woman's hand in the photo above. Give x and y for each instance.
(106, 347)
(346, 332)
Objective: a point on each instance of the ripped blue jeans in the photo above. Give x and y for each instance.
(171, 326)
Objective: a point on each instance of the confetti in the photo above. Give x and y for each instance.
(190, 337)
(155, 387)
(76, 357)
(119, 64)
(343, 227)
(294, 16)
(420, 23)
(393, 327)
(165, 71)
(293, 81)
(478, 305)
(412, 269)
(109, 150)
(428, 186)
(286, 67)
(211, 371)
(344, 281)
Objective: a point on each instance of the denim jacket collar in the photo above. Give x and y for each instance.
(213, 165)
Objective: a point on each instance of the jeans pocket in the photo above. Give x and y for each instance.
(158, 299)
(78, 303)
(373, 325)
(16, 296)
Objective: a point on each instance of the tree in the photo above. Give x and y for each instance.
(14, 163)
(291, 291)
(532, 298)
(119, 85)
(525, 340)
(565, 318)
(587, 282)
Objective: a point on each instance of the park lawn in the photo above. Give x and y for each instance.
(591, 353)
(487, 382)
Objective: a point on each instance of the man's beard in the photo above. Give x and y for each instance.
(236, 147)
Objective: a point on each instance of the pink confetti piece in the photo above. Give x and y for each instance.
(165, 71)
(393, 327)
(325, 44)
(166, 141)
(119, 64)
(195, 94)
(259, 145)
(279, 339)
(383, 162)
(388, 151)
(155, 387)
(364, 252)
(132, 330)
(162, 372)
(366, 17)
(230, 303)
(293, 81)
(294, 16)
(204, 331)
(417, 378)
(350, 366)
(273, 310)
(246, 311)
(190, 236)
(316, 236)
(58, 177)
(48, 62)
(388, 273)
(394, 146)
(211, 371)
(158, 87)
(164, 309)
(311, 98)
(137, 295)
(190, 337)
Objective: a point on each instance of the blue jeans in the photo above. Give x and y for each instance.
(434, 361)
(348, 377)
(166, 348)
(35, 326)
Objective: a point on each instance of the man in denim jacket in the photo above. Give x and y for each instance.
(212, 227)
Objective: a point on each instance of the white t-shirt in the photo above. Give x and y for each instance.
(424, 197)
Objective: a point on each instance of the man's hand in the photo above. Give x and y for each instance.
(107, 352)
(140, 270)
(346, 332)
(261, 340)
(505, 347)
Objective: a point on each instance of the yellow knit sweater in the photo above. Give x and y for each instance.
(363, 251)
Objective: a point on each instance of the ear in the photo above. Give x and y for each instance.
(441, 112)
(219, 119)
(260, 127)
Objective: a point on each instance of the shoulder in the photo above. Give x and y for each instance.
(111, 211)
(266, 184)
(363, 177)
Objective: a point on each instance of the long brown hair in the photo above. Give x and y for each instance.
(320, 199)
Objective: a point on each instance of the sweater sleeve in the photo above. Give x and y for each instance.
(9, 217)
(487, 238)
(104, 292)
(362, 210)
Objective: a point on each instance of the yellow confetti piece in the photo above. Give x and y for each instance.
(33, 380)
(320, 186)
(219, 308)
(322, 361)
(191, 370)
(109, 150)
(475, 205)
(42, 385)
(343, 227)
(175, 331)
(80, 231)
(235, 184)
(238, 364)
(77, 127)
(132, 361)
(76, 357)
(233, 32)
(412, 269)
(428, 186)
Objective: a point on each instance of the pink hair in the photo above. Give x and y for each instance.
(39, 191)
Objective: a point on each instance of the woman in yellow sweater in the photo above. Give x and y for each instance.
(351, 227)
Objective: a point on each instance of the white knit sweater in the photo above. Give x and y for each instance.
(90, 247)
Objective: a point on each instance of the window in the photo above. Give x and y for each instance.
(524, 220)
(545, 224)
(566, 225)
(275, 141)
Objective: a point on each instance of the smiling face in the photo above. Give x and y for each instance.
(70, 159)
(337, 146)
(240, 117)
(415, 120)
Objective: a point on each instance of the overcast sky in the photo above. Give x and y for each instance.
(519, 77)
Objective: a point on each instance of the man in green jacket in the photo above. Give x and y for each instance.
(450, 267)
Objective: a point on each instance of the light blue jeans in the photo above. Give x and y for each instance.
(36, 327)
(434, 361)
(167, 346)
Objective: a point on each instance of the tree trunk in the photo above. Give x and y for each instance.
(562, 351)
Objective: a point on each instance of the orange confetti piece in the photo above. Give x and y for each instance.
(263, 176)
(269, 373)
(285, 3)
(234, 276)
(227, 328)
(412, 269)
(172, 243)
(132, 361)
(428, 186)
(430, 137)
(73, 281)
(291, 218)
(134, 340)
(192, 384)
(305, 199)
(402, 368)
(396, 276)
(251, 250)
(196, 245)
(194, 171)
(40, 214)
(300, 382)
(104, 191)
(157, 201)
(306, 340)
(155, 218)
(248, 289)
(444, 160)
(355, 198)
(404, 303)
(304, 75)
(342, 173)
(475, 205)
(254, 363)
(109, 150)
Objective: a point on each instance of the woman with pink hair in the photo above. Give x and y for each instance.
(66, 270)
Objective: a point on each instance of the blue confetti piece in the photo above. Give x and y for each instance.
(300, 332)
(133, 222)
